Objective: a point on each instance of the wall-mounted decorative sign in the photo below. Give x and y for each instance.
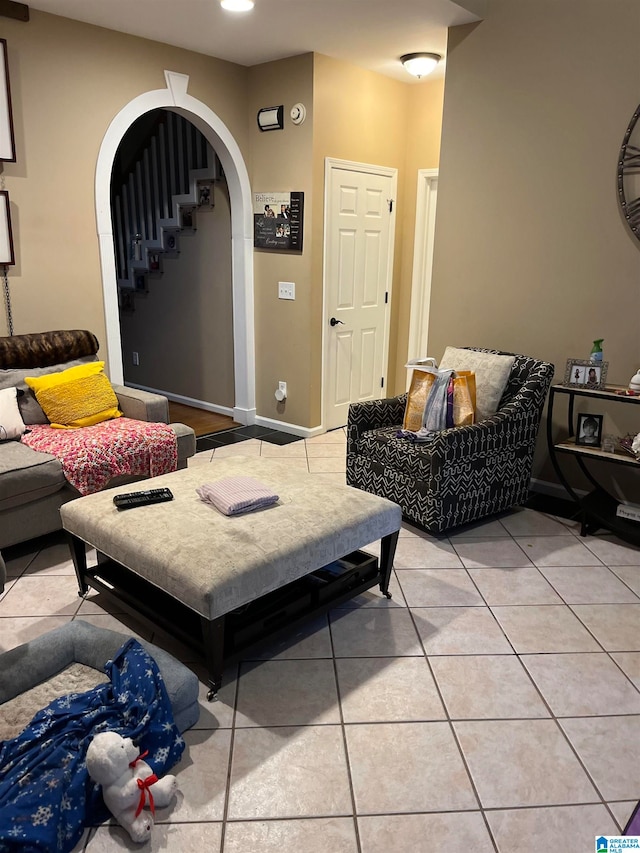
(7, 142)
(278, 220)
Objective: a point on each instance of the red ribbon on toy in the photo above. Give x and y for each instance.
(144, 785)
(139, 758)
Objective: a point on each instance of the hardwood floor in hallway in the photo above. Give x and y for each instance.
(201, 421)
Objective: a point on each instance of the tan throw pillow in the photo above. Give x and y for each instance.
(492, 373)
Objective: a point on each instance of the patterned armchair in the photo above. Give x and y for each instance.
(465, 473)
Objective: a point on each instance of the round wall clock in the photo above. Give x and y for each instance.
(629, 174)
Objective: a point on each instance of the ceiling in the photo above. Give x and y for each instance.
(368, 33)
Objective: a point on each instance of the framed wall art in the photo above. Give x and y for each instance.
(278, 221)
(7, 141)
(7, 257)
(582, 373)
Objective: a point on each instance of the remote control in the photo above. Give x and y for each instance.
(151, 496)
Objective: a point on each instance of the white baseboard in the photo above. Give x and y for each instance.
(293, 429)
(555, 490)
(246, 417)
(189, 401)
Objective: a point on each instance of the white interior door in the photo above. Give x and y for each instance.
(359, 232)
(427, 197)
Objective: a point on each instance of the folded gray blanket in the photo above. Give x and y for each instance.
(235, 495)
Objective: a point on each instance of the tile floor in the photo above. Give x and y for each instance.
(492, 705)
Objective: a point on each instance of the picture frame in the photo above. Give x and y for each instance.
(7, 139)
(589, 430)
(187, 217)
(7, 255)
(278, 221)
(582, 373)
(205, 194)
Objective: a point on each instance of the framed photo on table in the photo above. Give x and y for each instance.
(582, 373)
(589, 430)
(7, 141)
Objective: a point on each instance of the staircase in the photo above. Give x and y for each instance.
(156, 196)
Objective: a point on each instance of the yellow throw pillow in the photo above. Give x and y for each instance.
(83, 401)
(50, 380)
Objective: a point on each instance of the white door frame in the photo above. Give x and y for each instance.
(330, 164)
(175, 98)
(422, 264)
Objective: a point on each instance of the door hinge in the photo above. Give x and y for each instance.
(382, 381)
(386, 297)
(390, 203)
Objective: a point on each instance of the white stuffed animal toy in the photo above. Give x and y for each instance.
(128, 783)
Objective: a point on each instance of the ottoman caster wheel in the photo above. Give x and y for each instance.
(212, 695)
(388, 594)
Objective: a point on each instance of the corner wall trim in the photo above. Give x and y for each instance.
(246, 417)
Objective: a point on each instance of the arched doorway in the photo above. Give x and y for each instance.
(175, 98)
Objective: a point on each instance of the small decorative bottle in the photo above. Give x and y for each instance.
(634, 383)
(595, 356)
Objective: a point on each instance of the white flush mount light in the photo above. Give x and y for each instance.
(237, 5)
(420, 64)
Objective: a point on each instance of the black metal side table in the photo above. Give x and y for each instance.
(598, 507)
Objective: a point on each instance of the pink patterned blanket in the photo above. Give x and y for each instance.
(91, 456)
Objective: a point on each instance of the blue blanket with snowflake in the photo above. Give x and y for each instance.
(46, 795)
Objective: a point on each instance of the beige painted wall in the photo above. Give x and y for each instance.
(531, 251)
(365, 117)
(68, 82)
(182, 328)
(422, 152)
(281, 162)
(70, 79)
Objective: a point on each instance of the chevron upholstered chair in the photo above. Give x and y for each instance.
(464, 473)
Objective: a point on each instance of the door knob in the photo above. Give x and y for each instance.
(335, 322)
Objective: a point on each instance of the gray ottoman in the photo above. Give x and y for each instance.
(201, 574)
(78, 642)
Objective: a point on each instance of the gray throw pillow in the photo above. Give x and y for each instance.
(30, 409)
(492, 372)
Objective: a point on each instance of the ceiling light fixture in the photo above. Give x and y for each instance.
(420, 64)
(237, 5)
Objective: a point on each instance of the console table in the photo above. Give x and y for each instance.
(599, 506)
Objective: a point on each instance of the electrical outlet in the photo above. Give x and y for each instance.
(286, 290)
(282, 386)
(136, 359)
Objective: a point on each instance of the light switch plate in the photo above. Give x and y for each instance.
(286, 290)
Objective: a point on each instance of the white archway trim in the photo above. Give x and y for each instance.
(422, 263)
(175, 98)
